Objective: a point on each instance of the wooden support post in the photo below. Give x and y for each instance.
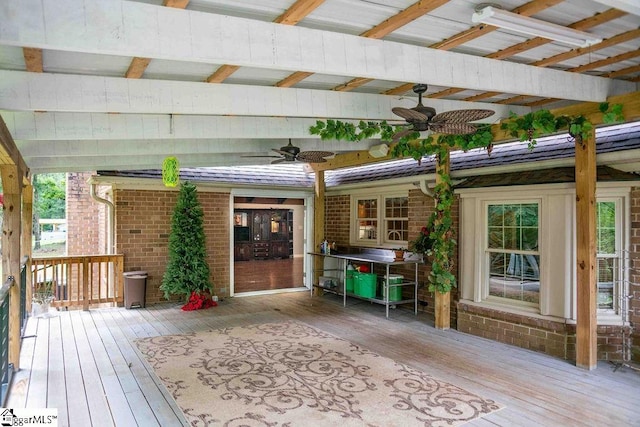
(12, 189)
(27, 224)
(586, 333)
(318, 227)
(442, 301)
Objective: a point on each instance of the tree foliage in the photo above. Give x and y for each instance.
(187, 270)
(51, 195)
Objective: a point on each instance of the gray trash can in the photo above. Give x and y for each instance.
(135, 285)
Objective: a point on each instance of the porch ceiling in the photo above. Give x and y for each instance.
(121, 84)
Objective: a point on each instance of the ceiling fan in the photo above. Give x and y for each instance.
(421, 118)
(291, 153)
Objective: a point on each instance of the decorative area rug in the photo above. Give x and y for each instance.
(290, 374)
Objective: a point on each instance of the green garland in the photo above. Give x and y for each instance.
(440, 222)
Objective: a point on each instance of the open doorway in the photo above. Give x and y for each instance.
(268, 244)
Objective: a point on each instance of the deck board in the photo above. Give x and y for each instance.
(92, 355)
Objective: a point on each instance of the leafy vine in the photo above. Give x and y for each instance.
(440, 223)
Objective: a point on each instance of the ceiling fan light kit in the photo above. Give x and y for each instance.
(378, 151)
(522, 24)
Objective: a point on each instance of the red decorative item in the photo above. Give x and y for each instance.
(198, 301)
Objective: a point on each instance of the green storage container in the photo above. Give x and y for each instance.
(365, 284)
(350, 281)
(395, 292)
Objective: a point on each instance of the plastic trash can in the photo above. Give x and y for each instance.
(135, 286)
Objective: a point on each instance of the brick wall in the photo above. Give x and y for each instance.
(83, 213)
(143, 224)
(336, 223)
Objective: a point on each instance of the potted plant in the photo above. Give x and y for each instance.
(399, 254)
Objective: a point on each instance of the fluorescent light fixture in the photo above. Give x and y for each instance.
(523, 24)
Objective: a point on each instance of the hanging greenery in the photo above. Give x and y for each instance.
(170, 172)
(440, 223)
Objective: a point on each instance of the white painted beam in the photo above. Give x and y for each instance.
(120, 27)
(117, 162)
(104, 126)
(73, 149)
(24, 91)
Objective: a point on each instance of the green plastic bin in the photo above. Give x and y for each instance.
(350, 281)
(365, 284)
(395, 292)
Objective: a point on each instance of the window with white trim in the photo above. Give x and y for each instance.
(381, 220)
(608, 255)
(512, 252)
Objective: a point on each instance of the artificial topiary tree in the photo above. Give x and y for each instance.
(187, 271)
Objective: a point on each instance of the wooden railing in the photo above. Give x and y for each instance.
(79, 281)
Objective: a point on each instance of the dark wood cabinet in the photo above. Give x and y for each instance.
(263, 233)
(242, 251)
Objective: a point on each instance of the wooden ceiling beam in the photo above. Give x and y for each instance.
(409, 14)
(607, 61)
(620, 38)
(401, 19)
(482, 96)
(297, 11)
(514, 99)
(352, 84)
(623, 72)
(446, 92)
(222, 73)
(32, 59)
(294, 14)
(590, 110)
(178, 4)
(584, 24)
(137, 67)
(293, 79)
(399, 90)
(528, 9)
(138, 64)
(592, 21)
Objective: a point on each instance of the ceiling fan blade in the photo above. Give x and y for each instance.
(453, 128)
(398, 135)
(461, 116)
(270, 157)
(281, 160)
(284, 153)
(314, 156)
(409, 115)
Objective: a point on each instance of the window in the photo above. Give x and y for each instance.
(518, 250)
(368, 219)
(382, 220)
(396, 219)
(608, 258)
(512, 252)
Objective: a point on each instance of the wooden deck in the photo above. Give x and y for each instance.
(85, 363)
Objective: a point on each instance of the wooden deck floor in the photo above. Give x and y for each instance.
(85, 364)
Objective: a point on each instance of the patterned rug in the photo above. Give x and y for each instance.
(290, 374)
